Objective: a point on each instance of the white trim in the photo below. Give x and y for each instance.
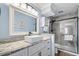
(68, 52)
(23, 10)
(59, 47)
(11, 21)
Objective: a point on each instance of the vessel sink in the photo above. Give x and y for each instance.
(32, 39)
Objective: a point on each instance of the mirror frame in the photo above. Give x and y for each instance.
(11, 20)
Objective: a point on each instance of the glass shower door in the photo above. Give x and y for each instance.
(68, 30)
(66, 34)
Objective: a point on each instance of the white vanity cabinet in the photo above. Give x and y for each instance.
(43, 47)
(22, 52)
(41, 52)
(33, 49)
(44, 51)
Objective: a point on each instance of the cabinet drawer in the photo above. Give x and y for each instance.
(47, 43)
(35, 48)
(47, 51)
(44, 51)
(36, 54)
(47, 48)
(22, 52)
(39, 53)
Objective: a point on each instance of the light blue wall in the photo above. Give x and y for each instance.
(29, 22)
(4, 22)
(4, 18)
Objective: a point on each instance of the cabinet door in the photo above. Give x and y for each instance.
(44, 51)
(33, 49)
(22, 52)
(39, 53)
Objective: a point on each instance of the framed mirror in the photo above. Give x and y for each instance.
(22, 22)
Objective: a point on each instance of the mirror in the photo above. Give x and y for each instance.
(22, 22)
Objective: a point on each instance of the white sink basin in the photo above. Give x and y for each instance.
(32, 39)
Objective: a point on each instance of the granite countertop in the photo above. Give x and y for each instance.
(11, 38)
(13, 46)
(6, 47)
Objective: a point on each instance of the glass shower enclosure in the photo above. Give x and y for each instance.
(66, 34)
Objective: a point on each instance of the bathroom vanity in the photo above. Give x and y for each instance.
(35, 45)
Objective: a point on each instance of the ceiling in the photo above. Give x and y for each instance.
(58, 8)
(39, 5)
(64, 8)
